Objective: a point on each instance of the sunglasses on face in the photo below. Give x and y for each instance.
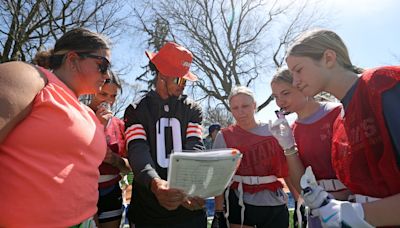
(104, 66)
(180, 81)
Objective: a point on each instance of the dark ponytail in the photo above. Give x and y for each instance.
(78, 39)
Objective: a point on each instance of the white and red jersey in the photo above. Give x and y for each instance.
(262, 156)
(362, 152)
(314, 141)
(115, 137)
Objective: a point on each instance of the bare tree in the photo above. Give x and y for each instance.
(234, 42)
(396, 58)
(158, 33)
(218, 114)
(27, 26)
(130, 93)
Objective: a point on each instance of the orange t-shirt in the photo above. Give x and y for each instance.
(49, 162)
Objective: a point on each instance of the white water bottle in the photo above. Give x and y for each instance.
(282, 127)
(107, 107)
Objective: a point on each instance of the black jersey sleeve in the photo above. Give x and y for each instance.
(194, 141)
(138, 147)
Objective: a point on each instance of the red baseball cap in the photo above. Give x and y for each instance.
(173, 60)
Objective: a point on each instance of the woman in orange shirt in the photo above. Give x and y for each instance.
(50, 144)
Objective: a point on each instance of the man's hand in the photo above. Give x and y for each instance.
(194, 203)
(341, 214)
(169, 198)
(281, 130)
(219, 220)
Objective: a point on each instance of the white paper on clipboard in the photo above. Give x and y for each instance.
(204, 174)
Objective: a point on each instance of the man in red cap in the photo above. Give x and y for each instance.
(163, 120)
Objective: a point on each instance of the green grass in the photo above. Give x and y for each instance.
(209, 220)
(291, 211)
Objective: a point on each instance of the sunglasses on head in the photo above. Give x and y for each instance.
(180, 81)
(104, 66)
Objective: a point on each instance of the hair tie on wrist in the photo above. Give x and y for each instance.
(291, 151)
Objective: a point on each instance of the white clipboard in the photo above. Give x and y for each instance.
(204, 174)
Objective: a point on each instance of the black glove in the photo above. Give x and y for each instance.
(219, 220)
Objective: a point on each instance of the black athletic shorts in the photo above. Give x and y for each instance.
(260, 216)
(197, 221)
(110, 204)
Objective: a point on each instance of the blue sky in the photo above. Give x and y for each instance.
(371, 31)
